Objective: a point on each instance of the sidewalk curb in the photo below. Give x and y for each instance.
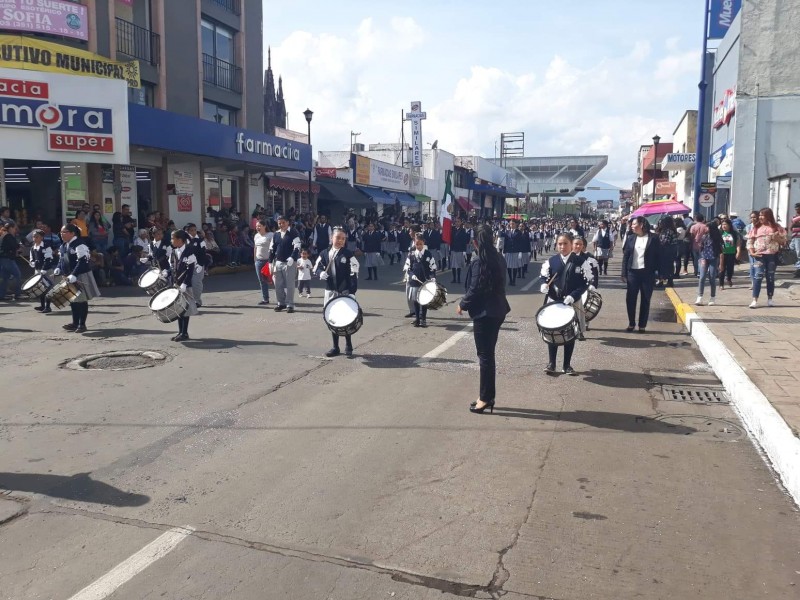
(763, 422)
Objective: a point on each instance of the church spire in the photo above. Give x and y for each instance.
(274, 105)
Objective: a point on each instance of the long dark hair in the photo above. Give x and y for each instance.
(492, 273)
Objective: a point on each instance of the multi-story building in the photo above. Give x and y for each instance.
(680, 162)
(150, 103)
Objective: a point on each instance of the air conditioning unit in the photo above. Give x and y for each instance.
(359, 148)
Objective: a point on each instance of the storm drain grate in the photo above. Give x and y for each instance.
(694, 395)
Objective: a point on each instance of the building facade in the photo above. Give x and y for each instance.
(176, 89)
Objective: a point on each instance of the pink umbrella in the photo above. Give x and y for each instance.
(661, 207)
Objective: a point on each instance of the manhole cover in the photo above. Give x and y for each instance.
(774, 319)
(118, 361)
(694, 395)
(699, 426)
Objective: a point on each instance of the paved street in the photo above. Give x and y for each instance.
(247, 466)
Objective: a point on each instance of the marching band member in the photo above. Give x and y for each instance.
(371, 245)
(198, 244)
(75, 265)
(41, 260)
(458, 249)
(433, 240)
(322, 235)
(285, 252)
(563, 280)
(353, 237)
(159, 249)
(603, 241)
(420, 267)
(590, 267)
(340, 273)
(392, 246)
(511, 250)
(183, 262)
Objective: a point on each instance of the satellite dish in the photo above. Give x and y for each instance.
(435, 145)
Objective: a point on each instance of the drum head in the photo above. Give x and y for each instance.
(341, 311)
(427, 293)
(30, 283)
(555, 315)
(164, 298)
(585, 297)
(148, 278)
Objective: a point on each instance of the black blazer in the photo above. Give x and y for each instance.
(481, 302)
(650, 254)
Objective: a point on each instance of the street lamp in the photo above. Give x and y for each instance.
(308, 114)
(656, 139)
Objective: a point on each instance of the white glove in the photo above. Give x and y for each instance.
(143, 260)
(324, 275)
(544, 288)
(32, 264)
(569, 300)
(164, 274)
(57, 272)
(198, 269)
(183, 288)
(72, 279)
(592, 288)
(289, 261)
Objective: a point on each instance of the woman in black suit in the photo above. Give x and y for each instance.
(639, 266)
(485, 301)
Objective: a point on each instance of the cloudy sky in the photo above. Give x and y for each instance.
(577, 76)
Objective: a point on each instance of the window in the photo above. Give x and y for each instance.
(218, 113)
(219, 57)
(218, 42)
(144, 95)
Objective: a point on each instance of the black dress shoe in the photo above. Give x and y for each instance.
(581, 338)
(630, 328)
(333, 352)
(416, 323)
(410, 316)
(480, 411)
(550, 369)
(569, 371)
(280, 307)
(47, 310)
(423, 323)
(80, 329)
(181, 337)
(70, 327)
(176, 337)
(38, 308)
(348, 352)
(290, 309)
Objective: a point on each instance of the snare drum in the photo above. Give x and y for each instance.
(343, 315)
(37, 285)
(169, 305)
(557, 323)
(152, 282)
(592, 303)
(432, 294)
(63, 294)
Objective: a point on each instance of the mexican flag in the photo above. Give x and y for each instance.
(447, 207)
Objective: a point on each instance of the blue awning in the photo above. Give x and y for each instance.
(377, 194)
(405, 199)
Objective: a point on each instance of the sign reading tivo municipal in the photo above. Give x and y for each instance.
(47, 117)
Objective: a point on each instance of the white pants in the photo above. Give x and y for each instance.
(581, 312)
(284, 277)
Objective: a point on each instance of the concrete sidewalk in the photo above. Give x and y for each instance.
(755, 354)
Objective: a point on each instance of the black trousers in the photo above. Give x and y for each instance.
(80, 310)
(640, 283)
(486, 330)
(347, 340)
(726, 268)
(552, 352)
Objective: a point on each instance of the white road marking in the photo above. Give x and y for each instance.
(530, 284)
(444, 346)
(129, 568)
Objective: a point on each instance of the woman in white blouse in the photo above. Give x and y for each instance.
(262, 242)
(639, 266)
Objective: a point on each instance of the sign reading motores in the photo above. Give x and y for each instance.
(73, 128)
(36, 55)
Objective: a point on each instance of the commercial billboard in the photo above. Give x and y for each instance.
(17, 52)
(53, 17)
(45, 116)
(605, 204)
(723, 12)
(380, 174)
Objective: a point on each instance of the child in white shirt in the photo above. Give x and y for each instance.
(304, 274)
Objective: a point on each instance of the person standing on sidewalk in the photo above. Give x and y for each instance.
(710, 251)
(285, 252)
(262, 242)
(696, 232)
(485, 301)
(730, 252)
(751, 259)
(764, 242)
(9, 249)
(795, 243)
(639, 266)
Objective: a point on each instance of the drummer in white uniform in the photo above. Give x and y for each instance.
(563, 280)
(183, 262)
(593, 270)
(338, 268)
(42, 260)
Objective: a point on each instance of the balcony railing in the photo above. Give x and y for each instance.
(234, 6)
(222, 74)
(138, 42)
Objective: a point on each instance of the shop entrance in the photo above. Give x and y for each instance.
(33, 192)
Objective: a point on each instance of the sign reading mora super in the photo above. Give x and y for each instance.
(46, 117)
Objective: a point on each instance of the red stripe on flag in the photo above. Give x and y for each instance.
(447, 227)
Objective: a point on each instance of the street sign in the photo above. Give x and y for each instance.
(707, 200)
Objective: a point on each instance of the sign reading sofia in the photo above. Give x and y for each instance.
(54, 17)
(47, 117)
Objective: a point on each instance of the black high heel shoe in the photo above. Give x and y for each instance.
(479, 411)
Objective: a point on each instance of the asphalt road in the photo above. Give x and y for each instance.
(248, 466)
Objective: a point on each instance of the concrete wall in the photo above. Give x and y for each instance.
(253, 74)
(771, 47)
(182, 58)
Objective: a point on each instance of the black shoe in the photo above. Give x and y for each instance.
(176, 337)
(630, 328)
(280, 307)
(348, 352)
(333, 352)
(199, 304)
(38, 308)
(47, 310)
(642, 329)
(368, 279)
(569, 371)
(480, 411)
(290, 309)
(263, 302)
(550, 369)
(416, 323)
(581, 338)
(423, 323)
(587, 328)
(410, 316)
(69, 327)
(181, 337)
(80, 329)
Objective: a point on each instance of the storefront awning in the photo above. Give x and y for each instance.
(337, 190)
(423, 198)
(376, 194)
(405, 199)
(466, 204)
(291, 185)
